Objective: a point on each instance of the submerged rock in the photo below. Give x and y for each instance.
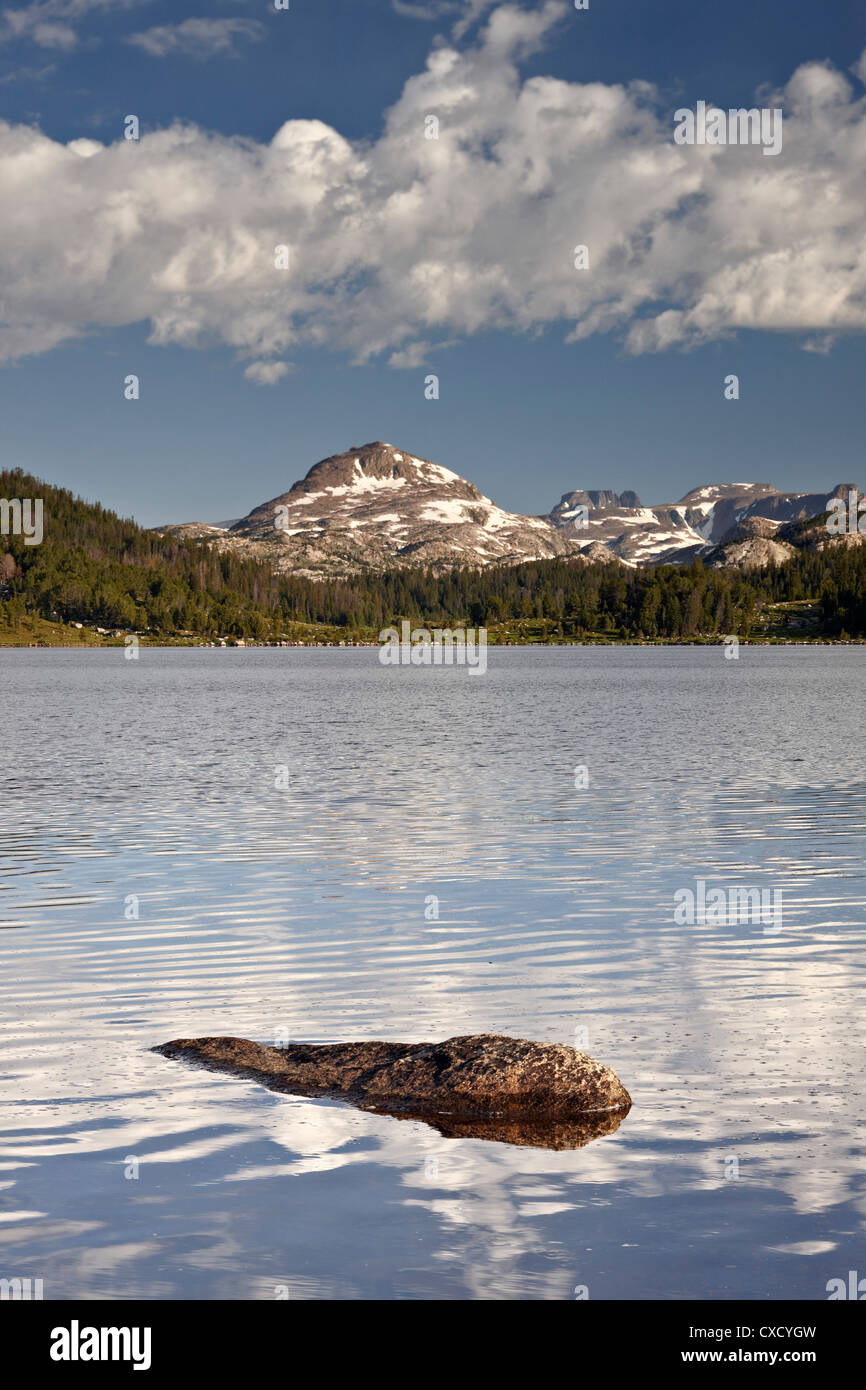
(484, 1086)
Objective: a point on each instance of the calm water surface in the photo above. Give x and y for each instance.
(299, 912)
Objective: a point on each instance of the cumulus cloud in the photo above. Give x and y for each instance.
(403, 241)
(197, 38)
(266, 373)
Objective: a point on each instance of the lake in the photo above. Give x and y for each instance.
(303, 844)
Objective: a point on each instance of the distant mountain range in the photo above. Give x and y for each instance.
(740, 524)
(375, 506)
(96, 576)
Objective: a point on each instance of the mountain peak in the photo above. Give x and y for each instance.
(337, 483)
(377, 505)
(595, 499)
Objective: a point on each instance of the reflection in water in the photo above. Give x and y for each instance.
(527, 1131)
(162, 886)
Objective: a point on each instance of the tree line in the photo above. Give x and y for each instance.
(98, 568)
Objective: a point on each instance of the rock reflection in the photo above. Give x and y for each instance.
(530, 1131)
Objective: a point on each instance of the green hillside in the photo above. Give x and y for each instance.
(100, 570)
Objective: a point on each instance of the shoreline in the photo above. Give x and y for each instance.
(249, 644)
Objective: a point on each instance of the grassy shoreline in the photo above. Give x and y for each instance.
(785, 625)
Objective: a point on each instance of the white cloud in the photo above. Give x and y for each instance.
(470, 11)
(29, 74)
(54, 36)
(821, 344)
(424, 9)
(266, 373)
(412, 356)
(404, 241)
(50, 23)
(197, 38)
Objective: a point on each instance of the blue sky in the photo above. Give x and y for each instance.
(524, 412)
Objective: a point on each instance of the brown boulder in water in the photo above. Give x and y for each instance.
(483, 1086)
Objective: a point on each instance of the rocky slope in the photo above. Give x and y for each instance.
(726, 524)
(376, 507)
(751, 543)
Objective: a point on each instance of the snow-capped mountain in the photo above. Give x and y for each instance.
(700, 523)
(728, 505)
(376, 506)
(638, 535)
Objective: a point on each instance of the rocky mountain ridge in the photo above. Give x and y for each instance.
(702, 524)
(375, 506)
